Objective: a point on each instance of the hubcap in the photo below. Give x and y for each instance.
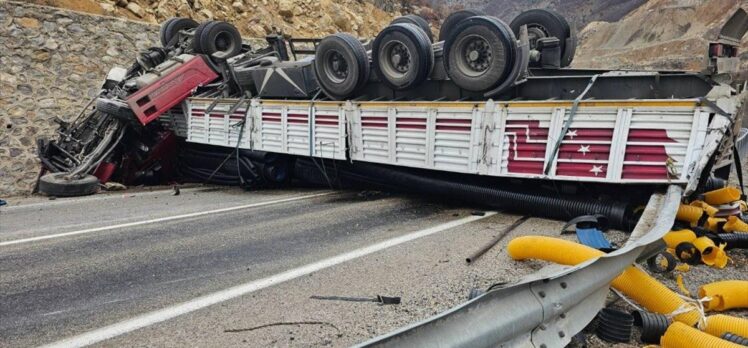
(336, 67)
(395, 59)
(477, 54)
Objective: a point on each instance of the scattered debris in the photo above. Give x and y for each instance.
(289, 323)
(114, 186)
(589, 230)
(382, 300)
(470, 259)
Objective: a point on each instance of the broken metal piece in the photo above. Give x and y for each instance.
(498, 238)
(379, 299)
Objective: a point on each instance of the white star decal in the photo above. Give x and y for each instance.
(571, 134)
(584, 149)
(596, 169)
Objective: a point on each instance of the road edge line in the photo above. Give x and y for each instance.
(161, 219)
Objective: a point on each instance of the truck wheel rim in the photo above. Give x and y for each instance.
(336, 68)
(396, 58)
(475, 55)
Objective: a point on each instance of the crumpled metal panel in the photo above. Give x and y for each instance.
(547, 308)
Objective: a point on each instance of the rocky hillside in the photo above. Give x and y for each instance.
(630, 34)
(255, 18)
(675, 36)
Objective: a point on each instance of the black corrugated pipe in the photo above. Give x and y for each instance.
(535, 204)
(735, 240)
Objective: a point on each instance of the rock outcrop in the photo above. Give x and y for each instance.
(255, 18)
(661, 34)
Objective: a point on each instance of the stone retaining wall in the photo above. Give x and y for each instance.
(52, 63)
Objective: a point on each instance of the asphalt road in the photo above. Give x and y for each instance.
(142, 266)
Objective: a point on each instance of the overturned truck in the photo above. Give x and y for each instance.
(487, 112)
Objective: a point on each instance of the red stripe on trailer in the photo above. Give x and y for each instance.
(298, 115)
(646, 153)
(326, 117)
(410, 123)
(410, 126)
(598, 134)
(454, 120)
(525, 167)
(411, 119)
(453, 128)
(649, 135)
(523, 150)
(373, 125)
(326, 123)
(644, 172)
(591, 170)
(584, 152)
(224, 115)
(291, 120)
(374, 118)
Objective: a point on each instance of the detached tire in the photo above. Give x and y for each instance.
(480, 53)
(115, 108)
(402, 56)
(55, 184)
(172, 26)
(453, 19)
(546, 23)
(418, 21)
(341, 65)
(220, 38)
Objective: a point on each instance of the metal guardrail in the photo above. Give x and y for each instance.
(547, 308)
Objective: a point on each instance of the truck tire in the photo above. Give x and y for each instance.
(546, 23)
(453, 19)
(196, 36)
(55, 184)
(341, 65)
(220, 37)
(402, 56)
(418, 21)
(172, 26)
(115, 108)
(480, 53)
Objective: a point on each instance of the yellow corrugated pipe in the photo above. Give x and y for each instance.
(710, 210)
(689, 213)
(673, 238)
(725, 295)
(635, 283)
(722, 196)
(712, 224)
(734, 224)
(679, 335)
(711, 254)
(718, 324)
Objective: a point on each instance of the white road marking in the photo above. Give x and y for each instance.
(167, 313)
(104, 196)
(163, 219)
